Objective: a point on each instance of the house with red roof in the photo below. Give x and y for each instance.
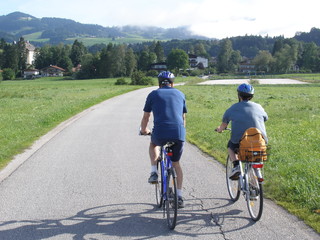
(52, 71)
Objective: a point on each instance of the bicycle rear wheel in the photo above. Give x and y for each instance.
(233, 185)
(254, 195)
(159, 186)
(172, 199)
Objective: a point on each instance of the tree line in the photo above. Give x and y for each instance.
(122, 60)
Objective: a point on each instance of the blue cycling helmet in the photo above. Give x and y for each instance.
(245, 90)
(165, 78)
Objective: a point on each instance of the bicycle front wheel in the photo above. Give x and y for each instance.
(159, 186)
(233, 185)
(171, 199)
(254, 195)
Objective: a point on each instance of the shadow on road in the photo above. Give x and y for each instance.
(128, 220)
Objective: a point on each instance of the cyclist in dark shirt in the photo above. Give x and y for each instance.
(169, 109)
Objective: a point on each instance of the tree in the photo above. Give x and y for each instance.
(8, 74)
(43, 57)
(77, 51)
(177, 59)
(11, 57)
(144, 60)
(104, 67)
(89, 64)
(130, 62)
(263, 61)
(158, 50)
(200, 50)
(310, 57)
(235, 59)
(286, 57)
(118, 54)
(22, 54)
(224, 56)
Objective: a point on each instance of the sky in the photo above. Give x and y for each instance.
(210, 18)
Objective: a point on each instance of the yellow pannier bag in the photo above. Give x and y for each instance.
(252, 147)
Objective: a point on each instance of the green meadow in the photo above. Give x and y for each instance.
(291, 173)
(31, 108)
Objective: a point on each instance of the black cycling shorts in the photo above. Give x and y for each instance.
(233, 146)
(177, 148)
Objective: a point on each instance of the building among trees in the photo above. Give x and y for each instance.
(52, 71)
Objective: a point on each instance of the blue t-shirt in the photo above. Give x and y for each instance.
(244, 115)
(168, 106)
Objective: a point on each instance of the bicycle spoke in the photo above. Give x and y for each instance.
(255, 195)
(158, 186)
(172, 200)
(233, 185)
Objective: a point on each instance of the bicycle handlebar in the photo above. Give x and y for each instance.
(229, 129)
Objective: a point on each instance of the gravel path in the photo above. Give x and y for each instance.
(261, 81)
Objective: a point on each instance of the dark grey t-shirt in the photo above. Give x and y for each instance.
(244, 115)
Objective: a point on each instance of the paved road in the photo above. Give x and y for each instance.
(87, 179)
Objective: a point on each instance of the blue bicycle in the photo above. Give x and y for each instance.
(166, 188)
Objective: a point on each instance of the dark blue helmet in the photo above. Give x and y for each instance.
(165, 77)
(245, 90)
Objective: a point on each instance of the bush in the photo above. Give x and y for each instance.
(140, 78)
(146, 81)
(121, 81)
(8, 74)
(152, 73)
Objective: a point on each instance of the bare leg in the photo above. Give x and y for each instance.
(153, 153)
(233, 156)
(179, 172)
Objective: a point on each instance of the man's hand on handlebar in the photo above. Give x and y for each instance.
(219, 130)
(145, 132)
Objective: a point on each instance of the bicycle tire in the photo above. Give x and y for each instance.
(232, 185)
(159, 186)
(254, 195)
(171, 199)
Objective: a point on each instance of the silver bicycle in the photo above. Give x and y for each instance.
(249, 183)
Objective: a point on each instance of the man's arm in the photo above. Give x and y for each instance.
(144, 123)
(222, 127)
(184, 119)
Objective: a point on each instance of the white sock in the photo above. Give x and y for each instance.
(179, 192)
(154, 168)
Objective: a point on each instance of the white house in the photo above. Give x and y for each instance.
(52, 71)
(31, 73)
(30, 53)
(196, 61)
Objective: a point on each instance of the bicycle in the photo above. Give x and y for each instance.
(249, 183)
(166, 187)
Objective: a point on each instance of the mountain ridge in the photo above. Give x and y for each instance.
(17, 24)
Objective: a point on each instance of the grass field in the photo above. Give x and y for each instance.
(292, 172)
(31, 108)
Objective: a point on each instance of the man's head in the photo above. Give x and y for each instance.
(165, 78)
(245, 91)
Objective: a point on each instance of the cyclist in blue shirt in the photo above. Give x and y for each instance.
(169, 110)
(243, 115)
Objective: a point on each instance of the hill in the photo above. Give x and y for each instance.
(56, 30)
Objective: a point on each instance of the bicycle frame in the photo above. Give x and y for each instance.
(166, 165)
(168, 196)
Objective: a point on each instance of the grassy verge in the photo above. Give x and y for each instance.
(292, 172)
(31, 108)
